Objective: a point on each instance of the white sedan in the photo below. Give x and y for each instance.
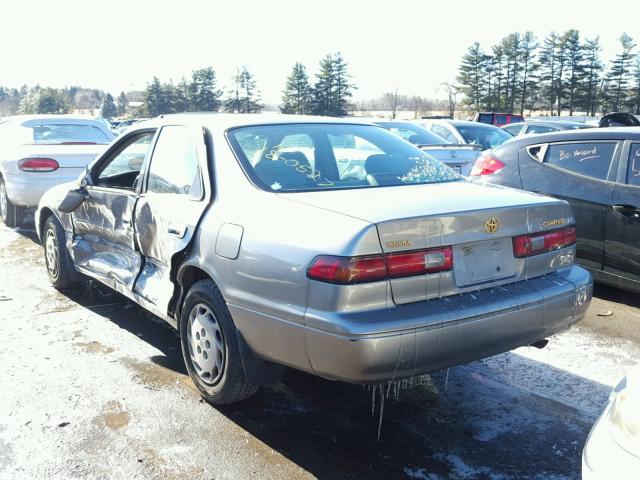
(612, 450)
(38, 152)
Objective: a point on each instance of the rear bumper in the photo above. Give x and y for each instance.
(451, 331)
(25, 190)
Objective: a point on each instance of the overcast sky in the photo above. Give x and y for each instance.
(412, 45)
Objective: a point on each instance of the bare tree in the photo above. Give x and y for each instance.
(391, 102)
(452, 96)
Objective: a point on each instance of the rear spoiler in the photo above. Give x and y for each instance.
(447, 146)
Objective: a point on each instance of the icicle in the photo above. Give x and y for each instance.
(388, 388)
(446, 381)
(373, 400)
(381, 411)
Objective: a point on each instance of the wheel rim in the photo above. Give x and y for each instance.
(51, 252)
(3, 200)
(206, 344)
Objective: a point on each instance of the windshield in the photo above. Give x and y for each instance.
(413, 133)
(484, 135)
(299, 157)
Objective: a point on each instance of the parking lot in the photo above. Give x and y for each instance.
(94, 387)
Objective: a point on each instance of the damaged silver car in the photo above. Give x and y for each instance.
(326, 245)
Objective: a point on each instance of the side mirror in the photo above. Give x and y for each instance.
(73, 200)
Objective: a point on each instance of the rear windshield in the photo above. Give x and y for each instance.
(486, 136)
(413, 133)
(67, 133)
(300, 157)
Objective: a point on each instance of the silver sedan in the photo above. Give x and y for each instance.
(252, 238)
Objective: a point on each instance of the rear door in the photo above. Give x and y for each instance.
(582, 173)
(176, 193)
(622, 245)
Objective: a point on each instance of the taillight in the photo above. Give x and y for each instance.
(536, 243)
(38, 165)
(486, 165)
(372, 268)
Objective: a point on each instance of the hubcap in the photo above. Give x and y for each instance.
(206, 344)
(51, 252)
(3, 200)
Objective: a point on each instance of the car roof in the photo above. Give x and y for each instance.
(586, 134)
(23, 119)
(568, 123)
(224, 121)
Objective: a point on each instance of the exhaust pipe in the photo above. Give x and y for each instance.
(540, 343)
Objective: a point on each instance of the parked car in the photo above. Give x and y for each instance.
(612, 449)
(497, 119)
(461, 131)
(460, 157)
(598, 172)
(125, 124)
(543, 126)
(263, 256)
(619, 119)
(40, 151)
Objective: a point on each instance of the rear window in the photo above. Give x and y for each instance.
(590, 159)
(487, 137)
(413, 133)
(485, 118)
(68, 133)
(300, 157)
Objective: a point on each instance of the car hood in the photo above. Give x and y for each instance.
(380, 204)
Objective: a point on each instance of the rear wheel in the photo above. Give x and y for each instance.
(210, 346)
(59, 266)
(11, 214)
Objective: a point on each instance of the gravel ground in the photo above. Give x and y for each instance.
(92, 386)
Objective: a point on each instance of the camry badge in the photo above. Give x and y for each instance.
(554, 223)
(492, 225)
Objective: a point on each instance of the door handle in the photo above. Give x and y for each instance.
(177, 229)
(627, 210)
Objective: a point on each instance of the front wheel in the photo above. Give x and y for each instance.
(210, 346)
(59, 266)
(11, 214)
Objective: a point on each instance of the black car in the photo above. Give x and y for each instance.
(543, 126)
(598, 172)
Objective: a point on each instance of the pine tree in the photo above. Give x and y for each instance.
(574, 54)
(109, 109)
(153, 98)
(529, 70)
(549, 68)
(471, 76)
(203, 94)
(295, 96)
(331, 93)
(343, 86)
(619, 74)
(592, 75)
(635, 90)
(122, 104)
(243, 96)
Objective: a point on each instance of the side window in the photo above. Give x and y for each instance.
(500, 120)
(444, 133)
(540, 129)
(174, 164)
(298, 147)
(633, 167)
(123, 169)
(513, 129)
(351, 153)
(590, 159)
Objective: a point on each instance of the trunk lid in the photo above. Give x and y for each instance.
(459, 157)
(477, 221)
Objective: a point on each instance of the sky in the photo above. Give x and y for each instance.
(413, 46)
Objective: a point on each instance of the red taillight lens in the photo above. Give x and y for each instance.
(536, 243)
(349, 270)
(486, 165)
(38, 165)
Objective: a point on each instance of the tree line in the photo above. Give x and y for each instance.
(563, 72)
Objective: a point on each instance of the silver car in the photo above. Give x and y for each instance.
(247, 235)
(40, 151)
(465, 132)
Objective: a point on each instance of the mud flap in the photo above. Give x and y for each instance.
(258, 372)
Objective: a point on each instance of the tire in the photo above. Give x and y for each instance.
(60, 269)
(11, 214)
(210, 346)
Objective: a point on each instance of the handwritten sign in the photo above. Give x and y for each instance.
(579, 154)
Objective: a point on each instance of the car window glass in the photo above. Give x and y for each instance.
(500, 120)
(174, 164)
(413, 133)
(444, 133)
(123, 169)
(540, 129)
(68, 133)
(351, 152)
(513, 129)
(633, 168)
(484, 135)
(298, 147)
(590, 159)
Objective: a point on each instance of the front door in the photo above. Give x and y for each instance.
(176, 193)
(622, 246)
(578, 172)
(104, 240)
